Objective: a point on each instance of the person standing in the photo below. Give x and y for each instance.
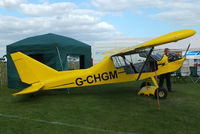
(166, 76)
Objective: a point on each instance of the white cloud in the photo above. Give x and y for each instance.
(187, 18)
(118, 5)
(121, 5)
(11, 4)
(47, 9)
(79, 26)
(185, 12)
(61, 18)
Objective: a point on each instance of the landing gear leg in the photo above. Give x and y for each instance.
(147, 89)
(159, 92)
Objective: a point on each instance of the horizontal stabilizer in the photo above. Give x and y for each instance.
(33, 88)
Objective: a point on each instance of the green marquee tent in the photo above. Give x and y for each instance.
(50, 49)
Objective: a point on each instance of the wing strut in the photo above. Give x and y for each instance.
(187, 50)
(145, 63)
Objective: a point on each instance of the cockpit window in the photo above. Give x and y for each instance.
(121, 61)
(174, 57)
(155, 55)
(133, 63)
(118, 61)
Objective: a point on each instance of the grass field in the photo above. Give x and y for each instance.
(101, 109)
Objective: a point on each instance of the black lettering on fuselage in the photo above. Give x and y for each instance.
(104, 76)
(89, 79)
(113, 75)
(79, 81)
(97, 78)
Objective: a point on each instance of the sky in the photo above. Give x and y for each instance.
(95, 20)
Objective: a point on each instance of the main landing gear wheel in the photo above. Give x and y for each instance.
(162, 93)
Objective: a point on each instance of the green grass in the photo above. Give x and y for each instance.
(114, 107)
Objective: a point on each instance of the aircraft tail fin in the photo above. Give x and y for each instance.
(33, 88)
(30, 70)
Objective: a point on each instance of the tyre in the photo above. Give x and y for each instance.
(144, 84)
(162, 93)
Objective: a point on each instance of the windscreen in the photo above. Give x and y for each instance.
(121, 61)
(155, 55)
(174, 56)
(133, 63)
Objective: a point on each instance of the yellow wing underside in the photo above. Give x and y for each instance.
(171, 37)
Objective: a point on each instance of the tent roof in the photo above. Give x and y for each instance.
(48, 40)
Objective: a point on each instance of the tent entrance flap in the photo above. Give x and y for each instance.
(82, 62)
(73, 62)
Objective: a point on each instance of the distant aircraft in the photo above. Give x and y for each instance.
(120, 65)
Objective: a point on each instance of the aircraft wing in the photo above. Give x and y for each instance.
(171, 37)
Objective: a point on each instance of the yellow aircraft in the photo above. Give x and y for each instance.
(120, 65)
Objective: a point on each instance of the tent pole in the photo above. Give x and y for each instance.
(59, 57)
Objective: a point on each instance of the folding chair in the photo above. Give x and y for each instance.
(198, 73)
(178, 76)
(193, 75)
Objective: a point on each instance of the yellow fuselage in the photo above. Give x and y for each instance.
(104, 73)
